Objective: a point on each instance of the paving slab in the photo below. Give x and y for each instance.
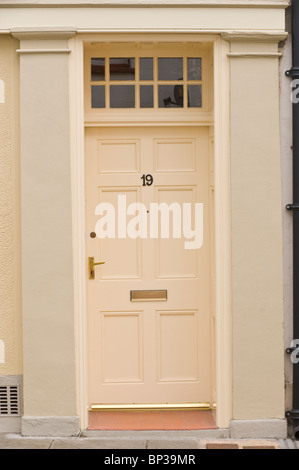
(173, 444)
(236, 444)
(16, 441)
(86, 443)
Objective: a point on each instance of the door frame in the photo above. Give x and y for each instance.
(223, 311)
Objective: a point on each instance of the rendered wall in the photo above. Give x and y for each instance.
(10, 242)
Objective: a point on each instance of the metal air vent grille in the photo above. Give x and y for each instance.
(9, 400)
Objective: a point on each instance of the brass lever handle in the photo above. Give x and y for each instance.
(91, 265)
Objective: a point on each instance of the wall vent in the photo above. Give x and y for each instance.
(9, 400)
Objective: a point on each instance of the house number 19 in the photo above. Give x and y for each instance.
(147, 180)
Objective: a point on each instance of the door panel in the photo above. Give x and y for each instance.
(172, 259)
(177, 346)
(175, 155)
(121, 347)
(113, 249)
(118, 156)
(148, 351)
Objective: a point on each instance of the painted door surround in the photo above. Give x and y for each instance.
(70, 52)
(222, 371)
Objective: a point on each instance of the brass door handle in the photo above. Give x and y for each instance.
(91, 265)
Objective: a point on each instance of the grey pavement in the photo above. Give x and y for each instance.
(131, 440)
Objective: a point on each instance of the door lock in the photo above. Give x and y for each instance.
(91, 265)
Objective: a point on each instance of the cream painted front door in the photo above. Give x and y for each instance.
(148, 350)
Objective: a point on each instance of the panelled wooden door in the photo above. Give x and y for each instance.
(154, 351)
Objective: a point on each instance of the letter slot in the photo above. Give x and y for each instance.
(148, 295)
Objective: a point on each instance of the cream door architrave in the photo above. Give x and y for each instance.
(222, 223)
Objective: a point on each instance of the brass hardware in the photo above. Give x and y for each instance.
(91, 265)
(150, 407)
(93, 235)
(148, 295)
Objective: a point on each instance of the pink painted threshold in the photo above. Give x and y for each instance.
(151, 420)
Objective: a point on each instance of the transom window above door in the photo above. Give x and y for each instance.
(146, 82)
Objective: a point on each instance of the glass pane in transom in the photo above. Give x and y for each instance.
(122, 96)
(170, 68)
(194, 68)
(97, 69)
(171, 96)
(122, 68)
(146, 68)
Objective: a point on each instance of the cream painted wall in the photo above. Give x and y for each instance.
(159, 19)
(10, 243)
(257, 282)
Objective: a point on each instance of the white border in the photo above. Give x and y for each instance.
(222, 226)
